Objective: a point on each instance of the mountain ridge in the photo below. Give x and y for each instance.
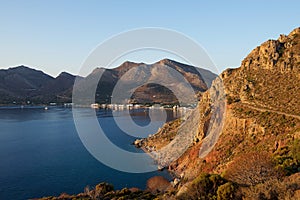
(45, 88)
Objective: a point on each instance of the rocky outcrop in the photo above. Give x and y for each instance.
(282, 54)
(269, 76)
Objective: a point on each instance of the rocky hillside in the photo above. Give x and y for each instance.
(269, 75)
(260, 139)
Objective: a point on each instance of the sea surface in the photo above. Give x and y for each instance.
(41, 153)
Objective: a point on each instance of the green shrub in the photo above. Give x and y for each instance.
(205, 186)
(231, 100)
(226, 191)
(288, 159)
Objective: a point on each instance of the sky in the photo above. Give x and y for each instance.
(58, 35)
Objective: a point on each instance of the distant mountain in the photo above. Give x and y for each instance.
(130, 73)
(21, 84)
(59, 89)
(22, 80)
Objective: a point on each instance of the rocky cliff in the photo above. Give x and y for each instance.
(260, 126)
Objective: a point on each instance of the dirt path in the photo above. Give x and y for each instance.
(270, 110)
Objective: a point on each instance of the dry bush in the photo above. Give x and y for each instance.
(99, 191)
(157, 184)
(287, 189)
(251, 169)
(64, 196)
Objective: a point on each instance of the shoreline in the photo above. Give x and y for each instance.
(144, 149)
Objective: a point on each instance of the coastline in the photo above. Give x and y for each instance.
(159, 168)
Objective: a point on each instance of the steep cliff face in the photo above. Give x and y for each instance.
(262, 99)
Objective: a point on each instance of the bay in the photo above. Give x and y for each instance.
(41, 153)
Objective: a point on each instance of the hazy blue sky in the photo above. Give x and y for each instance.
(57, 36)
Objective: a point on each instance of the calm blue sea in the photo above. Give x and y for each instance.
(41, 153)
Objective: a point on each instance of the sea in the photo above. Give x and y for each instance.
(41, 153)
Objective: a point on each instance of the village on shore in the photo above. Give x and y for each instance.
(138, 106)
